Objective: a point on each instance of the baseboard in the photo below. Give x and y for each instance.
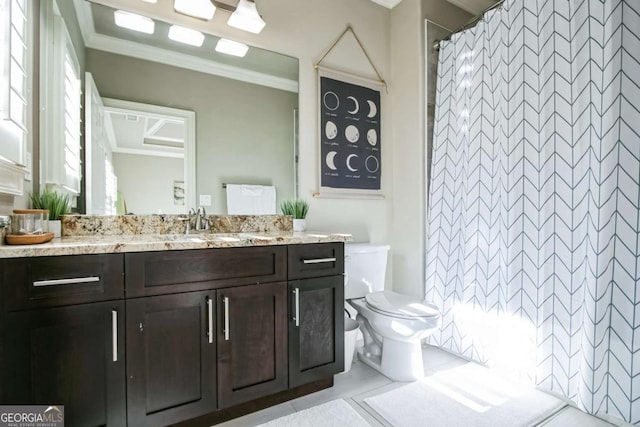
(256, 405)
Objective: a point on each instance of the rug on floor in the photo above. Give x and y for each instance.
(336, 413)
(467, 395)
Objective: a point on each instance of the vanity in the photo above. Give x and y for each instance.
(151, 330)
(126, 320)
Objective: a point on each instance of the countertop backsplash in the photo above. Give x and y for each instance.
(117, 225)
(97, 234)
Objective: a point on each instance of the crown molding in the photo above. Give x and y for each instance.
(115, 45)
(141, 152)
(189, 62)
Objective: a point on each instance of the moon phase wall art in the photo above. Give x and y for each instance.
(350, 143)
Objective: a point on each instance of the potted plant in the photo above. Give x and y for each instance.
(57, 204)
(297, 208)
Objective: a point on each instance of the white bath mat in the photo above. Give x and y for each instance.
(336, 413)
(468, 395)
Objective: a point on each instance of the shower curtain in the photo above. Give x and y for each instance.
(533, 221)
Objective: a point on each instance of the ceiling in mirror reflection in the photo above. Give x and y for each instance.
(145, 133)
(257, 60)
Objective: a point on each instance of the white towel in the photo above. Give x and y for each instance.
(251, 199)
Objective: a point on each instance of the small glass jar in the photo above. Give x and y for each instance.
(5, 227)
(29, 221)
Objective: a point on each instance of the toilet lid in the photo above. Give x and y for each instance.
(400, 305)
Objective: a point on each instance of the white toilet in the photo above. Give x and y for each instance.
(392, 324)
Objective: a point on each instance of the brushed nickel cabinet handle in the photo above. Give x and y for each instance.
(210, 319)
(296, 293)
(225, 302)
(71, 281)
(114, 334)
(318, 260)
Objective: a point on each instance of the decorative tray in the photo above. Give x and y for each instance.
(28, 239)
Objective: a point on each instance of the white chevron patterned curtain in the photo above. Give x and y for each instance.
(533, 226)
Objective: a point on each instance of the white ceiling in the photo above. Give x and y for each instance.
(257, 60)
(474, 7)
(387, 3)
(138, 132)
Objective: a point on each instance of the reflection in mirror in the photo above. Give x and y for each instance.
(245, 110)
(150, 147)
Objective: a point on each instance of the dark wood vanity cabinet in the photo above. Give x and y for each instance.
(250, 354)
(316, 320)
(188, 337)
(252, 342)
(71, 355)
(171, 351)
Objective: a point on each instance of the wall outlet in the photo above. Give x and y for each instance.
(205, 200)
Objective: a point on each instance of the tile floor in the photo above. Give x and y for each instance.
(362, 382)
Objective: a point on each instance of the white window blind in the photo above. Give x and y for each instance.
(61, 95)
(111, 187)
(13, 80)
(18, 65)
(71, 99)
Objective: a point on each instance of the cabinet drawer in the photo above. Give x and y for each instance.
(156, 273)
(62, 280)
(316, 260)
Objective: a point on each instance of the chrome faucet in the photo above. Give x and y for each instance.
(201, 219)
(187, 221)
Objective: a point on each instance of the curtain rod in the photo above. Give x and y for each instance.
(474, 21)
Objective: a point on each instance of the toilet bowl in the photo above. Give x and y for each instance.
(392, 324)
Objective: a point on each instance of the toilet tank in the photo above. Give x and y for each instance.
(365, 266)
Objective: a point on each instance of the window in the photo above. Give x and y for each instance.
(61, 94)
(14, 93)
(71, 94)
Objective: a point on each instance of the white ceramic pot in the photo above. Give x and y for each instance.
(55, 227)
(299, 224)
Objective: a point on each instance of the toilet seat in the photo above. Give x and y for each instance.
(400, 306)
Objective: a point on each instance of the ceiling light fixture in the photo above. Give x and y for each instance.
(186, 35)
(246, 17)
(203, 9)
(134, 22)
(231, 48)
(150, 1)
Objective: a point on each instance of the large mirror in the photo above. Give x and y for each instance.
(245, 114)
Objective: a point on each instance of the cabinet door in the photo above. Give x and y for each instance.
(252, 342)
(170, 358)
(71, 356)
(316, 329)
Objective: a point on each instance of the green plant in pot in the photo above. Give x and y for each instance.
(57, 204)
(298, 209)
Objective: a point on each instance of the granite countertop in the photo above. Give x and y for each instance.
(101, 244)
